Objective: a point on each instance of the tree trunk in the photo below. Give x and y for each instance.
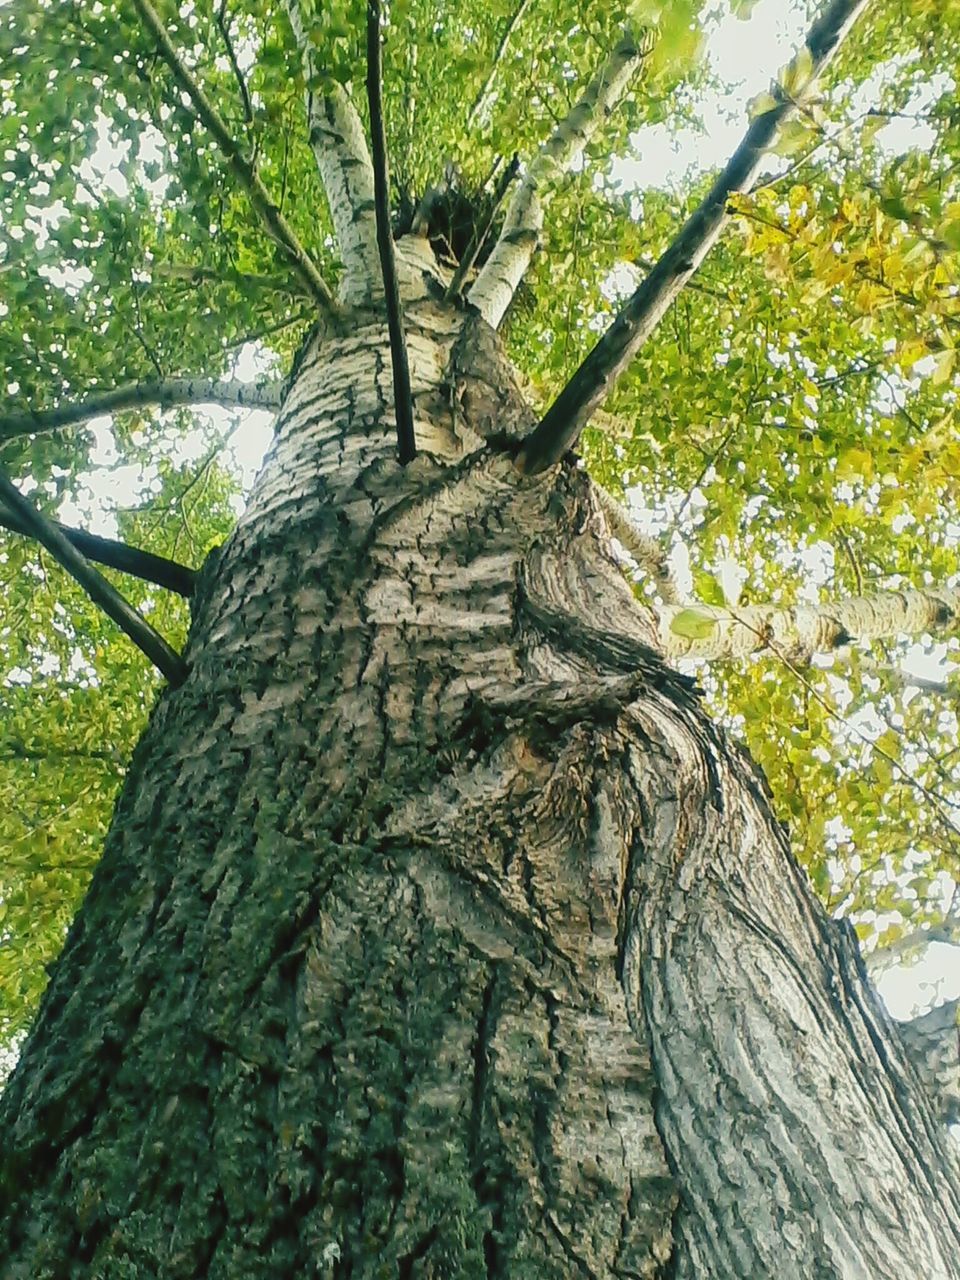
(438, 932)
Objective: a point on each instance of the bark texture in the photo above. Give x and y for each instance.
(438, 933)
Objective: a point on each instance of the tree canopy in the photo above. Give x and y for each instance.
(787, 435)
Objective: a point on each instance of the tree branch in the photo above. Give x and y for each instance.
(565, 419)
(274, 221)
(932, 1042)
(402, 396)
(115, 555)
(197, 274)
(497, 282)
(150, 642)
(478, 239)
(346, 171)
(165, 392)
(482, 101)
(705, 631)
(231, 54)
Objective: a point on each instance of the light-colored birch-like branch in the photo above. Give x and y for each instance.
(647, 551)
(167, 661)
(136, 395)
(500, 275)
(261, 200)
(346, 170)
(560, 427)
(708, 632)
(484, 99)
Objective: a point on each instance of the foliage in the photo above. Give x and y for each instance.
(795, 415)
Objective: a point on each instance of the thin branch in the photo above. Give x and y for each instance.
(274, 221)
(482, 101)
(115, 555)
(267, 330)
(197, 274)
(402, 396)
(165, 659)
(231, 54)
(565, 419)
(501, 274)
(17, 749)
(133, 395)
(479, 237)
(340, 148)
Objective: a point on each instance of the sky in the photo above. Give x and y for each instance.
(745, 55)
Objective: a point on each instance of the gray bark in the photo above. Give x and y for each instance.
(438, 932)
(932, 1042)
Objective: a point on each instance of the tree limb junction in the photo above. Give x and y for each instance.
(167, 661)
(561, 425)
(274, 221)
(115, 555)
(497, 282)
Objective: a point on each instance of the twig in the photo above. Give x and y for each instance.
(231, 54)
(132, 395)
(150, 642)
(560, 427)
(481, 101)
(274, 221)
(478, 239)
(402, 396)
(198, 274)
(115, 555)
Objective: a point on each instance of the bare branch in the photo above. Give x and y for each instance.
(478, 239)
(115, 555)
(589, 386)
(165, 659)
(505, 268)
(346, 171)
(224, 26)
(402, 396)
(705, 631)
(197, 274)
(483, 100)
(274, 221)
(165, 392)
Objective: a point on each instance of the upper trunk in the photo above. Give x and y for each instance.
(438, 932)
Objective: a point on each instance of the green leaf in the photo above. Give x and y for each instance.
(693, 624)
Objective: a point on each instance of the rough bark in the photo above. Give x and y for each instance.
(438, 932)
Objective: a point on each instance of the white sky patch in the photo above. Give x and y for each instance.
(932, 980)
(746, 56)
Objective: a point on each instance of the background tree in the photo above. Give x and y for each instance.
(426, 838)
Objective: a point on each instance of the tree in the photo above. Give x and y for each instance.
(439, 929)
